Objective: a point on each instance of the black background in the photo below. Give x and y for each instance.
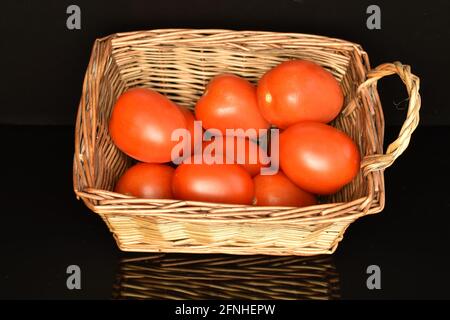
(45, 229)
(43, 62)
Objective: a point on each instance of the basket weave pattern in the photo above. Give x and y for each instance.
(179, 63)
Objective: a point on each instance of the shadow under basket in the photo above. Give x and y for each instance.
(179, 63)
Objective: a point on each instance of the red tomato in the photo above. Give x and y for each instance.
(278, 190)
(229, 102)
(299, 90)
(317, 157)
(224, 183)
(142, 123)
(147, 180)
(240, 153)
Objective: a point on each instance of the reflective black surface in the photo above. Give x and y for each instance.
(45, 229)
(206, 277)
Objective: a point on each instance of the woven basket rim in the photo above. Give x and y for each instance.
(215, 31)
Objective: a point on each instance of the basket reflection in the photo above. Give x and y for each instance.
(184, 276)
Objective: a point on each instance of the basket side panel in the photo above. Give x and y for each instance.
(182, 71)
(362, 119)
(97, 162)
(152, 234)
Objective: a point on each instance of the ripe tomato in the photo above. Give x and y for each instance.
(147, 180)
(317, 157)
(244, 151)
(224, 183)
(299, 90)
(278, 190)
(229, 102)
(142, 123)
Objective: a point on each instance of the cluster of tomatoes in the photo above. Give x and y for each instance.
(297, 97)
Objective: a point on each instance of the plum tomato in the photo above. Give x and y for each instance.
(299, 90)
(278, 190)
(142, 123)
(223, 183)
(147, 180)
(229, 102)
(317, 157)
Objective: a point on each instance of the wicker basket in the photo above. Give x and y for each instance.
(179, 63)
(168, 276)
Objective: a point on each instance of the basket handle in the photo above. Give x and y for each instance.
(395, 149)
